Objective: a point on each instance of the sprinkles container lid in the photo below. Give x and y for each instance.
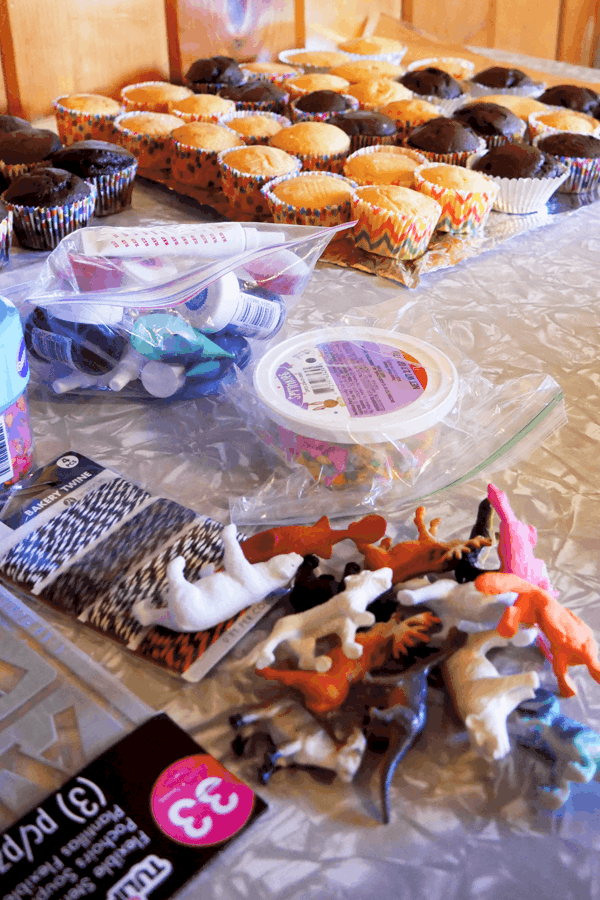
(14, 367)
(356, 385)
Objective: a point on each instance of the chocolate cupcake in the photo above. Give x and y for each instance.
(445, 140)
(109, 167)
(207, 76)
(432, 82)
(571, 96)
(48, 204)
(24, 149)
(494, 123)
(13, 123)
(365, 128)
(321, 105)
(502, 77)
(526, 176)
(263, 96)
(580, 153)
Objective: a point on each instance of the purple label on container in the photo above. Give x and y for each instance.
(290, 384)
(373, 379)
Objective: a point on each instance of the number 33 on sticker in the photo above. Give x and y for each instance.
(196, 801)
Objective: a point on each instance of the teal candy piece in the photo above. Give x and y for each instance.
(158, 336)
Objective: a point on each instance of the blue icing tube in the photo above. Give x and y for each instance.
(236, 345)
(236, 307)
(164, 336)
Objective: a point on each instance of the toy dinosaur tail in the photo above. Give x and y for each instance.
(367, 530)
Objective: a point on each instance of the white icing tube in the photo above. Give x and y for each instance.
(207, 240)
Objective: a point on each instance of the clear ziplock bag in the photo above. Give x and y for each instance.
(169, 310)
(379, 411)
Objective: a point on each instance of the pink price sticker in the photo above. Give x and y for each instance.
(197, 802)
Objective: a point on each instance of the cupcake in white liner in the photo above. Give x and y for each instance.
(461, 69)
(246, 170)
(580, 153)
(557, 118)
(504, 80)
(153, 96)
(26, 149)
(374, 47)
(394, 221)
(310, 198)
(367, 69)
(494, 123)
(525, 176)
(383, 165)
(255, 127)
(338, 105)
(313, 60)
(466, 197)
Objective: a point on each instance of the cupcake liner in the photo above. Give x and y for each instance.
(463, 212)
(465, 68)
(296, 93)
(395, 58)
(479, 90)
(74, 125)
(286, 56)
(197, 167)
(248, 113)
(298, 115)
(277, 78)
(144, 106)
(447, 107)
(43, 229)
(498, 140)
(384, 233)
(216, 87)
(12, 171)
(6, 230)
(370, 151)
(151, 151)
(540, 129)
(114, 190)
(244, 191)
(361, 141)
(523, 195)
(286, 213)
(583, 174)
(452, 159)
(264, 106)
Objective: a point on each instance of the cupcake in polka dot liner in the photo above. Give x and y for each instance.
(148, 136)
(85, 117)
(310, 198)
(196, 149)
(317, 145)
(246, 170)
(255, 127)
(153, 96)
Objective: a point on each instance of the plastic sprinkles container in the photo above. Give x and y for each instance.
(353, 404)
(16, 440)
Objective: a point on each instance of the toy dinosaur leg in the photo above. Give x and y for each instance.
(560, 664)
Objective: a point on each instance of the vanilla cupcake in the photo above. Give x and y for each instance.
(270, 71)
(394, 221)
(256, 127)
(246, 170)
(317, 144)
(306, 84)
(466, 197)
(520, 106)
(313, 60)
(311, 198)
(383, 165)
(409, 114)
(561, 119)
(367, 69)
(453, 65)
(153, 96)
(84, 117)
(148, 136)
(201, 108)
(196, 148)
(378, 92)
(381, 47)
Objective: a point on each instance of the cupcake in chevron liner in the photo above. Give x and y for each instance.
(394, 221)
(466, 197)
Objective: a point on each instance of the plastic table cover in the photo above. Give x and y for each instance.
(457, 830)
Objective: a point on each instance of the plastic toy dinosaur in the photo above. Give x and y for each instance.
(325, 692)
(424, 556)
(304, 539)
(571, 641)
(468, 566)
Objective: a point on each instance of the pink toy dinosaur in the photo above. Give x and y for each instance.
(517, 540)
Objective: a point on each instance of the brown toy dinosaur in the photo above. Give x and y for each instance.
(427, 554)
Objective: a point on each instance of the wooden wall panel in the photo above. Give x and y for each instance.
(455, 21)
(339, 21)
(53, 47)
(580, 32)
(527, 26)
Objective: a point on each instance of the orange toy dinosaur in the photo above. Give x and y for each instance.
(421, 557)
(571, 641)
(318, 539)
(325, 692)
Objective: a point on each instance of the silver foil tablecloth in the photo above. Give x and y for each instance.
(528, 305)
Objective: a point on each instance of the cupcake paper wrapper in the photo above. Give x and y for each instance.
(302, 215)
(360, 141)
(198, 168)
(525, 195)
(497, 140)
(43, 229)
(462, 211)
(243, 191)
(373, 150)
(264, 106)
(452, 159)
(394, 58)
(332, 162)
(151, 151)
(6, 230)
(583, 174)
(74, 125)
(287, 57)
(479, 90)
(113, 190)
(299, 115)
(12, 171)
(278, 79)
(448, 107)
(248, 113)
(386, 234)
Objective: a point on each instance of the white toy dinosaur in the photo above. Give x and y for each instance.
(341, 615)
(483, 697)
(218, 596)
